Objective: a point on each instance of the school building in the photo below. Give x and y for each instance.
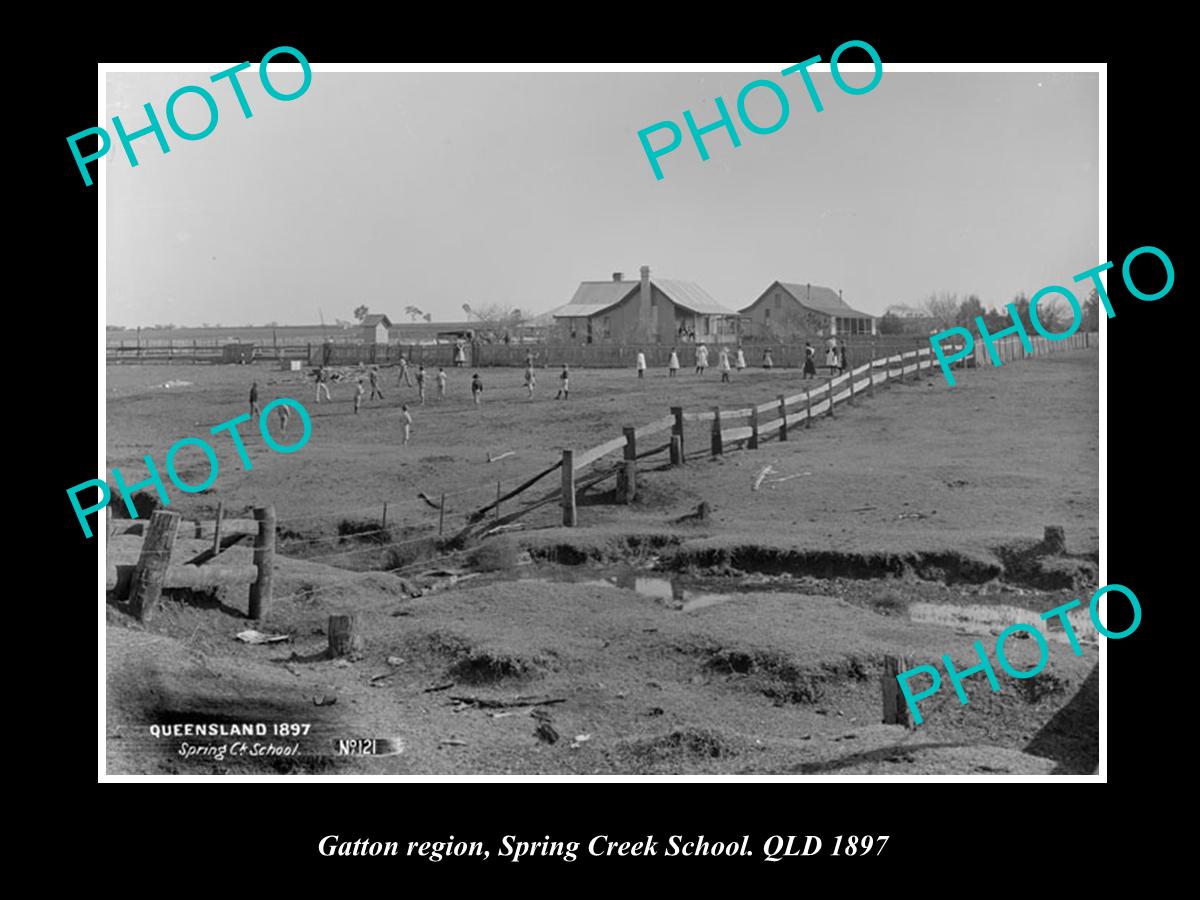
(803, 312)
(647, 311)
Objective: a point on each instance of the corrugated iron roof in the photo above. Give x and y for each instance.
(374, 319)
(691, 296)
(822, 299)
(592, 297)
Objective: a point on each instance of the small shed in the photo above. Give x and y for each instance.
(375, 328)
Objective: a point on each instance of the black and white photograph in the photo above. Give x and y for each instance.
(666, 422)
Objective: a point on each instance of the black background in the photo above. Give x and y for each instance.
(936, 828)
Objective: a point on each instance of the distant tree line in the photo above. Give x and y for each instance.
(944, 310)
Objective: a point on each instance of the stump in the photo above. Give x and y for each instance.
(344, 639)
(1054, 542)
(895, 708)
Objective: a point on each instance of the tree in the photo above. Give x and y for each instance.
(497, 316)
(428, 317)
(891, 324)
(467, 309)
(1091, 312)
(360, 312)
(970, 308)
(413, 313)
(941, 308)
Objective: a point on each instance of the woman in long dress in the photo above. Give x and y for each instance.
(740, 361)
(701, 359)
(673, 364)
(723, 362)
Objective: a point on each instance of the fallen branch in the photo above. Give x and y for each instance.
(493, 459)
(763, 473)
(438, 687)
(488, 703)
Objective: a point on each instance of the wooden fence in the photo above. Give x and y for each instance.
(748, 426)
(155, 571)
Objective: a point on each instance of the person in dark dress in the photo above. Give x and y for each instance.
(810, 363)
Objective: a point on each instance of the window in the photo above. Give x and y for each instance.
(767, 315)
(608, 326)
(778, 300)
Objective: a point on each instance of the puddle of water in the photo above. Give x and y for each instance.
(657, 587)
(978, 619)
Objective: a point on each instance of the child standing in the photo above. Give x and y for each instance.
(358, 395)
(724, 364)
(530, 381)
(421, 384)
(701, 359)
(323, 384)
(403, 372)
(285, 417)
(641, 364)
(373, 375)
(673, 364)
(441, 376)
(767, 361)
(476, 387)
(254, 399)
(564, 384)
(740, 362)
(406, 419)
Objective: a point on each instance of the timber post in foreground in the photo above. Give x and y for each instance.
(895, 707)
(568, 488)
(264, 561)
(676, 450)
(217, 528)
(146, 588)
(627, 474)
(808, 409)
(753, 445)
(677, 431)
(343, 635)
(782, 418)
(716, 431)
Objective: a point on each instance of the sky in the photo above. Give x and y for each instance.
(434, 190)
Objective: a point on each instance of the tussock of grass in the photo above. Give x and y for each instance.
(496, 555)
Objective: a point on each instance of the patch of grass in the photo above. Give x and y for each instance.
(888, 603)
(496, 555)
(685, 742)
(488, 666)
(366, 529)
(143, 501)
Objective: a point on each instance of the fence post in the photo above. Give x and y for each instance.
(676, 450)
(146, 588)
(627, 475)
(716, 431)
(264, 561)
(871, 383)
(217, 528)
(568, 488)
(782, 418)
(808, 409)
(895, 708)
(677, 429)
(753, 445)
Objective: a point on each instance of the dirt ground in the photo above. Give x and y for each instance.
(920, 494)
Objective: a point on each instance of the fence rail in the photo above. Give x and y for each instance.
(805, 406)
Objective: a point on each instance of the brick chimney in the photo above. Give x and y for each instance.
(618, 276)
(645, 305)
